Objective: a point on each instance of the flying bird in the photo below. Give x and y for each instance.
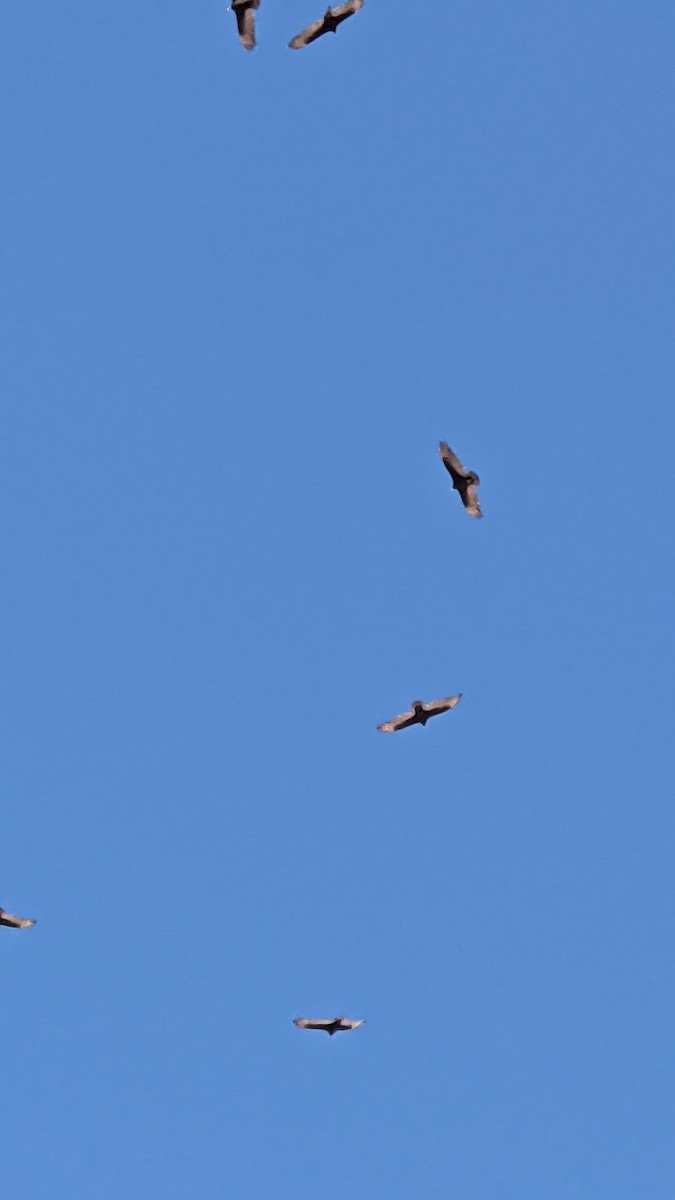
(15, 922)
(420, 713)
(243, 11)
(328, 1025)
(463, 481)
(328, 23)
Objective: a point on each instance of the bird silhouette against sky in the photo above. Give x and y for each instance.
(328, 23)
(463, 481)
(329, 1025)
(419, 713)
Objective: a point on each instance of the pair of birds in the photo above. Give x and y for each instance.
(13, 922)
(328, 23)
(466, 483)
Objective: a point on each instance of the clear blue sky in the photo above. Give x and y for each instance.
(243, 297)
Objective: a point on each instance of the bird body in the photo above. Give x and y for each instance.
(328, 23)
(463, 481)
(13, 922)
(419, 713)
(328, 1025)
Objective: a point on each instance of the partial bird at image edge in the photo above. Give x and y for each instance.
(12, 922)
(243, 11)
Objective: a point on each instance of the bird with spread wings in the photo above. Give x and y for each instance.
(463, 481)
(420, 713)
(15, 922)
(329, 1025)
(328, 23)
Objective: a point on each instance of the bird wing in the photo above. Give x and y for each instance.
(434, 707)
(246, 26)
(469, 496)
(451, 462)
(342, 11)
(311, 1023)
(401, 722)
(346, 1024)
(13, 922)
(310, 34)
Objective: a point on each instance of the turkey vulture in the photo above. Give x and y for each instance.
(420, 713)
(328, 1025)
(15, 922)
(243, 11)
(328, 23)
(465, 482)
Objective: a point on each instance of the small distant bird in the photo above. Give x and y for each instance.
(420, 713)
(463, 481)
(328, 23)
(15, 922)
(329, 1025)
(243, 11)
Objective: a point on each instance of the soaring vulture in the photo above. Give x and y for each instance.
(328, 23)
(465, 482)
(329, 1025)
(15, 922)
(420, 713)
(243, 11)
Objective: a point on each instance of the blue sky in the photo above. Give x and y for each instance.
(243, 298)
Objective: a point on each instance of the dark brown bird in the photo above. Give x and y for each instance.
(463, 481)
(328, 23)
(243, 11)
(328, 1025)
(15, 922)
(420, 713)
